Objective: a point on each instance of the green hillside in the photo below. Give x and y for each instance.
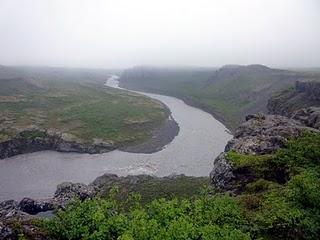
(229, 93)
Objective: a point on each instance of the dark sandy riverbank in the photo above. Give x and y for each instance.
(161, 137)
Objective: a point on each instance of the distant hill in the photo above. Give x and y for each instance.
(16, 86)
(229, 93)
(249, 87)
(55, 77)
(162, 80)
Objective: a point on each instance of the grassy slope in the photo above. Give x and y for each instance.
(153, 188)
(229, 93)
(74, 102)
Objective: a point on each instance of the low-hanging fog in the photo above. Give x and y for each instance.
(123, 33)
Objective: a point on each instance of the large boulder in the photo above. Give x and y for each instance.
(264, 134)
(6, 232)
(308, 116)
(10, 213)
(65, 193)
(32, 206)
(68, 191)
(9, 209)
(221, 174)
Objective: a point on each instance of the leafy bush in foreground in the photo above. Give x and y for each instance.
(218, 217)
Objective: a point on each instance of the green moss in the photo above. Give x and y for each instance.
(33, 134)
(246, 160)
(6, 135)
(301, 152)
(258, 166)
(260, 185)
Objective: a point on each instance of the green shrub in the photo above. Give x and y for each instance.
(218, 217)
(302, 152)
(304, 189)
(260, 185)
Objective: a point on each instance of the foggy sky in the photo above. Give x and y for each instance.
(124, 33)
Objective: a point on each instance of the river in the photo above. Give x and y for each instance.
(201, 138)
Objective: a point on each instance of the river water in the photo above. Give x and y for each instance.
(201, 138)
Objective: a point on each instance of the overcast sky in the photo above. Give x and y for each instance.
(124, 33)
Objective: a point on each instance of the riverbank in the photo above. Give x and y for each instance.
(189, 101)
(35, 139)
(161, 136)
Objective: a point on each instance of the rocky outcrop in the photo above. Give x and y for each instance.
(264, 134)
(221, 174)
(303, 96)
(108, 180)
(260, 134)
(65, 193)
(14, 221)
(24, 211)
(9, 209)
(68, 191)
(35, 139)
(308, 116)
(32, 206)
(310, 89)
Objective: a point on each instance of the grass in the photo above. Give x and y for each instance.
(253, 161)
(33, 134)
(86, 111)
(150, 189)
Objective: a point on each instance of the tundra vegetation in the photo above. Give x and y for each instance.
(281, 201)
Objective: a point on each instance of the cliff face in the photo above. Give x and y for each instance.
(303, 95)
(32, 140)
(311, 89)
(301, 103)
